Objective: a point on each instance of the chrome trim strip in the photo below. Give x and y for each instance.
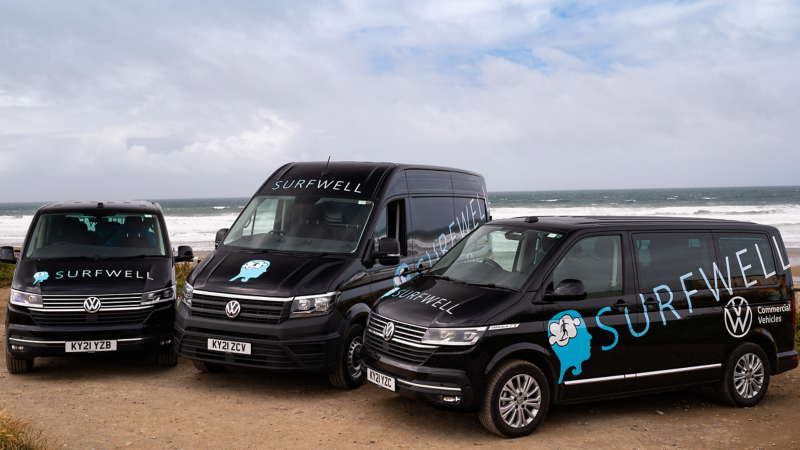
(36, 342)
(595, 380)
(642, 374)
(243, 297)
(55, 310)
(425, 386)
(682, 369)
(128, 340)
(403, 341)
(380, 317)
(51, 296)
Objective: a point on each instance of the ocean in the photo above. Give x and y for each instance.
(195, 221)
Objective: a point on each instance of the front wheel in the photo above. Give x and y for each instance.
(349, 373)
(16, 365)
(209, 367)
(746, 376)
(516, 399)
(169, 359)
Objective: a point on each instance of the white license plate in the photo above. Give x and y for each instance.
(90, 346)
(219, 345)
(380, 379)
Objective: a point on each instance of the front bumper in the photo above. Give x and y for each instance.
(25, 339)
(441, 387)
(296, 345)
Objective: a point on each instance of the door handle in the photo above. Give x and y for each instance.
(650, 303)
(621, 305)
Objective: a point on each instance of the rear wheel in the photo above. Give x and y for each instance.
(16, 365)
(746, 376)
(209, 367)
(516, 399)
(349, 373)
(169, 359)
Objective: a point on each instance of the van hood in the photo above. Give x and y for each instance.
(93, 277)
(268, 274)
(432, 302)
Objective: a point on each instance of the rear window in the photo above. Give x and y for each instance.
(750, 253)
(662, 258)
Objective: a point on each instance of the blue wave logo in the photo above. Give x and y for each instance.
(252, 269)
(38, 277)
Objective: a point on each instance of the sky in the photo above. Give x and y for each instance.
(174, 99)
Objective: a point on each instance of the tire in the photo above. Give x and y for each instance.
(507, 379)
(209, 367)
(15, 365)
(349, 373)
(746, 376)
(169, 359)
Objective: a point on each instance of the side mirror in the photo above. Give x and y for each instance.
(185, 253)
(7, 255)
(567, 290)
(220, 236)
(388, 253)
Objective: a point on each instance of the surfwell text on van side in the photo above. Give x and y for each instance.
(426, 299)
(135, 274)
(334, 185)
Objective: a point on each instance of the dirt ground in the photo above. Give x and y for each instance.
(116, 401)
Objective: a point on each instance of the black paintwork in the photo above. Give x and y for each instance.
(696, 339)
(89, 277)
(359, 277)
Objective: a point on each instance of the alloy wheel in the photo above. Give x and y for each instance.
(748, 376)
(520, 400)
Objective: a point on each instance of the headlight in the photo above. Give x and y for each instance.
(313, 305)
(161, 295)
(25, 299)
(453, 336)
(188, 292)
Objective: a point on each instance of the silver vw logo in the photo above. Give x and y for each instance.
(232, 309)
(738, 317)
(91, 305)
(388, 331)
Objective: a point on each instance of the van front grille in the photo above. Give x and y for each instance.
(75, 302)
(212, 306)
(405, 345)
(100, 318)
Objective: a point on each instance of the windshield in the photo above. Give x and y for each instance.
(96, 235)
(504, 256)
(302, 223)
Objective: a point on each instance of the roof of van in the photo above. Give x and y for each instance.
(369, 165)
(568, 223)
(116, 205)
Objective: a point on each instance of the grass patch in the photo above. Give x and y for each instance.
(182, 271)
(6, 275)
(16, 434)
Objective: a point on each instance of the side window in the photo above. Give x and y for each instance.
(662, 258)
(470, 213)
(752, 250)
(392, 223)
(597, 262)
(434, 230)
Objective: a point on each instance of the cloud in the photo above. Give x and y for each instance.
(179, 99)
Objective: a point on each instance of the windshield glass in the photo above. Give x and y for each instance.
(302, 223)
(96, 235)
(504, 256)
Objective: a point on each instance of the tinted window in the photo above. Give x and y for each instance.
(434, 229)
(661, 259)
(392, 223)
(597, 262)
(470, 214)
(468, 184)
(754, 250)
(434, 181)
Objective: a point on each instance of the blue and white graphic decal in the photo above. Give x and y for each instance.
(390, 292)
(570, 340)
(400, 276)
(252, 269)
(38, 277)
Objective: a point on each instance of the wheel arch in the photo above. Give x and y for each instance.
(764, 339)
(358, 314)
(532, 353)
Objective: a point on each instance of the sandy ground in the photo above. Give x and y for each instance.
(118, 401)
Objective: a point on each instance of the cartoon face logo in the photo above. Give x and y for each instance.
(38, 277)
(570, 340)
(252, 269)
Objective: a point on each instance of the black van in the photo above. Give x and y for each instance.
(92, 276)
(532, 311)
(290, 285)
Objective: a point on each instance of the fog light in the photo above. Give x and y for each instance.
(18, 348)
(168, 341)
(450, 399)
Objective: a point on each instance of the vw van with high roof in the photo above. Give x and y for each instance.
(290, 284)
(92, 276)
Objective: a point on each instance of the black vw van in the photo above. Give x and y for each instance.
(290, 285)
(92, 276)
(527, 312)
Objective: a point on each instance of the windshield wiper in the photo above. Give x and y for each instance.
(489, 285)
(255, 250)
(126, 257)
(62, 258)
